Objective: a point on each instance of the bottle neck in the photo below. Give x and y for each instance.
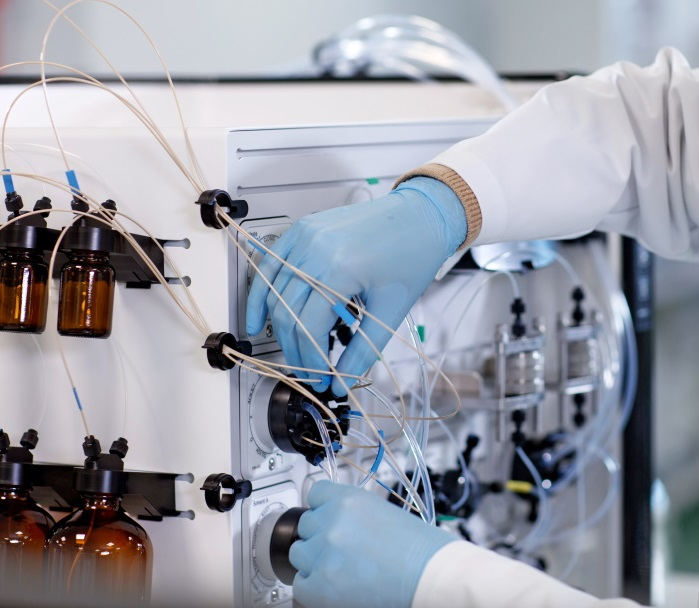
(14, 493)
(92, 257)
(101, 502)
(30, 255)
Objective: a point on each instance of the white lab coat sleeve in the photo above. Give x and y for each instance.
(464, 575)
(615, 151)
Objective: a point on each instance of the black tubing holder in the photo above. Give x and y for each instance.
(214, 349)
(224, 502)
(209, 199)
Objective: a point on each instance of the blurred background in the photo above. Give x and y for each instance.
(233, 39)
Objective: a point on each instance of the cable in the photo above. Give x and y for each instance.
(89, 80)
(120, 358)
(199, 186)
(45, 385)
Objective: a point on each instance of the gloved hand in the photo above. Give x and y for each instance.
(386, 251)
(357, 549)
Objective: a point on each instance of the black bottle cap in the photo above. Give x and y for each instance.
(16, 462)
(43, 204)
(13, 203)
(99, 481)
(29, 439)
(102, 473)
(84, 235)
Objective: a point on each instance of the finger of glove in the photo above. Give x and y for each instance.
(319, 318)
(304, 554)
(308, 524)
(269, 266)
(282, 310)
(369, 340)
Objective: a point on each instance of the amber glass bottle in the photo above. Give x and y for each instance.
(24, 525)
(24, 274)
(86, 297)
(23, 291)
(98, 555)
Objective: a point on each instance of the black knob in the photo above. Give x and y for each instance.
(285, 534)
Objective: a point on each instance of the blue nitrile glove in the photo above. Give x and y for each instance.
(357, 549)
(387, 251)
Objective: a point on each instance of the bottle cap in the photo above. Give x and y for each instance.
(16, 462)
(102, 473)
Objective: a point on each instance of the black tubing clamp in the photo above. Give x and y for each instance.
(217, 501)
(214, 349)
(210, 198)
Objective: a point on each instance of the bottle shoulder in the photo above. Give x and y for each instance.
(29, 521)
(100, 527)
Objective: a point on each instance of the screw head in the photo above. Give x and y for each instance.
(272, 463)
(274, 596)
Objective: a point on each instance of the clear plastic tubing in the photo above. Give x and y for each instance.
(424, 425)
(354, 433)
(417, 454)
(614, 487)
(464, 468)
(327, 443)
(362, 437)
(486, 276)
(532, 538)
(604, 427)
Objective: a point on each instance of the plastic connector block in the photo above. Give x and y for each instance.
(291, 426)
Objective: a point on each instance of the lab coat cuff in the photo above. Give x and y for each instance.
(468, 199)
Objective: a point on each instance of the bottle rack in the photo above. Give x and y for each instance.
(150, 496)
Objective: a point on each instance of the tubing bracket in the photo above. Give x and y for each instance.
(224, 502)
(210, 199)
(215, 344)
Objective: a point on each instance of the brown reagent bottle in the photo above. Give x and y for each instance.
(24, 525)
(24, 274)
(98, 555)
